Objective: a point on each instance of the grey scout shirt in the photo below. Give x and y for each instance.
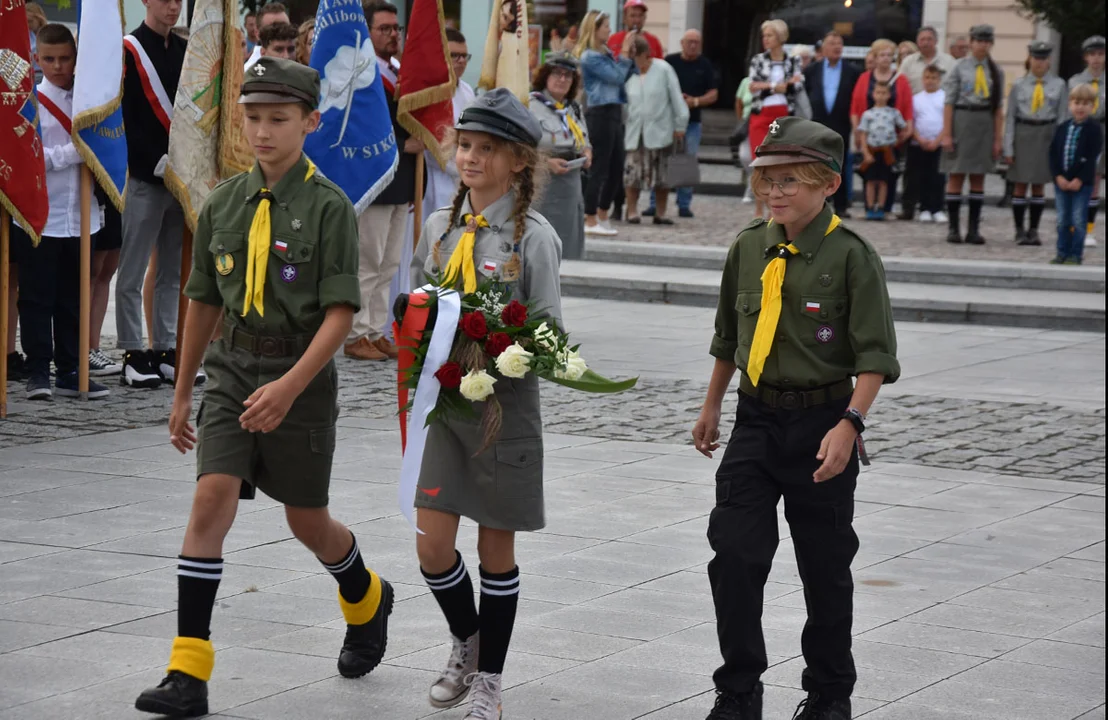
(557, 140)
(1086, 78)
(959, 83)
(540, 251)
(1019, 105)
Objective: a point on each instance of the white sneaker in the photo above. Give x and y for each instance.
(940, 217)
(1090, 240)
(600, 229)
(925, 216)
(453, 683)
(484, 697)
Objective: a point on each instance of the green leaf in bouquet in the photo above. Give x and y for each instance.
(594, 383)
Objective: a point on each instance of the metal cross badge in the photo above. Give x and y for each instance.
(259, 70)
(296, 224)
(774, 128)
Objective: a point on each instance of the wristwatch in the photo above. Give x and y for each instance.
(856, 418)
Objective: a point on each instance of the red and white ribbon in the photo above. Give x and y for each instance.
(151, 83)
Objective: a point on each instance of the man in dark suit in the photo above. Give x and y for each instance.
(830, 83)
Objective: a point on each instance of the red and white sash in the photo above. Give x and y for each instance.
(152, 86)
(388, 69)
(51, 107)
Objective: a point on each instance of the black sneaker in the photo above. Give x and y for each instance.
(140, 370)
(685, 213)
(38, 388)
(67, 386)
(817, 707)
(1032, 238)
(17, 368)
(953, 237)
(1021, 236)
(167, 368)
(973, 238)
(364, 646)
(178, 695)
(100, 365)
(745, 706)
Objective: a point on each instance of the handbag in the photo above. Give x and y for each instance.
(682, 169)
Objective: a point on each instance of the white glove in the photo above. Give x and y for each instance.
(159, 169)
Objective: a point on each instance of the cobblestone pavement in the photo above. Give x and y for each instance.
(718, 219)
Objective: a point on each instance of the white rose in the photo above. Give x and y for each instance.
(575, 367)
(477, 385)
(545, 337)
(514, 362)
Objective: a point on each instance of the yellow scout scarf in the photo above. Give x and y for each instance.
(1037, 97)
(257, 251)
(1096, 89)
(980, 84)
(461, 261)
(773, 277)
(578, 135)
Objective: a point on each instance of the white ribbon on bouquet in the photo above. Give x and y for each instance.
(427, 394)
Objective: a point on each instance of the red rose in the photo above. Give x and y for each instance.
(497, 343)
(514, 314)
(449, 375)
(473, 324)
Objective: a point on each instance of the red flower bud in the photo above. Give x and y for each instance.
(514, 314)
(473, 324)
(497, 343)
(449, 375)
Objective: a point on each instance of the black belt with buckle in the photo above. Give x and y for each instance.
(974, 108)
(1022, 121)
(779, 399)
(265, 345)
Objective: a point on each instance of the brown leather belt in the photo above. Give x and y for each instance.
(265, 345)
(777, 398)
(974, 108)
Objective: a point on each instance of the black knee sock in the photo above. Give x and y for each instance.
(1038, 203)
(953, 208)
(351, 573)
(1019, 210)
(499, 599)
(1094, 206)
(454, 592)
(197, 583)
(976, 200)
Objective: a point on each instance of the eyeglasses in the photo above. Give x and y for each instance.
(562, 74)
(788, 186)
(460, 56)
(389, 29)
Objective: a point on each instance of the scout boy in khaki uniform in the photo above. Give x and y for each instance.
(276, 263)
(803, 308)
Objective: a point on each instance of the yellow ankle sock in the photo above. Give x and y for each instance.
(192, 656)
(1089, 228)
(361, 612)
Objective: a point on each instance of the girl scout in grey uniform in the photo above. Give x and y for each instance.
(1035, 105)
(276, 265)
(500, 488)
(1093, 74)
(973, 128)
(565, 137)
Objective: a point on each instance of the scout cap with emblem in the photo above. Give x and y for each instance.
(274, 80)
(561, 60)
(983, 33)
(498, 112)
(794, 140)
(1040, 49)
(1096, 42)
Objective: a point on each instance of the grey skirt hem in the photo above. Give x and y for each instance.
(974, 134)
(481, 519)
(1031, 162)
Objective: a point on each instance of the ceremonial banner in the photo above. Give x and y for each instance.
(98, 132)
(507, 53)
(22, 165)
(206, 139)
(426, 85)
(354, 145)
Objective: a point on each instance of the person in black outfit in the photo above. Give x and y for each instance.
(834, 112)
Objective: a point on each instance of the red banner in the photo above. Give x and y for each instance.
(22, 166)
(426, 82)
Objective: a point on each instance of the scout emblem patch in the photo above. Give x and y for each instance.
(296, 224)
(825, 334)
(224, 264)
(289, 273)
(281, 245)
(259, 70)
(811, 307)
(825, 280)
(774, 128)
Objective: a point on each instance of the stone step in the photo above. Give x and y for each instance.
(914, 302)
(931, 271)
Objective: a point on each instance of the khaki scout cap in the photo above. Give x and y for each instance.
(1096, 42)
(1040, 49)
(274, 80)
(982, 32)
(794, 140)
(498, 112)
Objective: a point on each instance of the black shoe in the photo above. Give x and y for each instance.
(38, 388)
(685, 213)
(166, 368)
(1032, 238)
(905, 215)
(663, 221)
(649, 212)
(974, 238)
(816, 707)
(745, 706)
(140, 370)
(67, 386)
(1021, 236)
(953, 237)
(17, 368)
(178, 695)
(364, 646)
(616, 213)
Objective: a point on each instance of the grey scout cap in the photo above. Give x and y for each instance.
(499, 113)
(274, 80)
(983, 32)
(562, 60)
(1040, 49)
(1096, 42)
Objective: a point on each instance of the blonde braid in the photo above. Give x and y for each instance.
(455, 218)
(525, 192)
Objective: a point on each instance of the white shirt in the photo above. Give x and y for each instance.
(776, 76)
(927, 109)
(63, 169)
(253, 57)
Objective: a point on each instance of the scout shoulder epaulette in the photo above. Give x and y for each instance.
(847, 230)
(752, 225)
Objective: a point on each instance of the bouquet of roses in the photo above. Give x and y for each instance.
(495, 339)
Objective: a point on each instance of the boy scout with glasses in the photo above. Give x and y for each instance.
(276, 263)
(803, 308)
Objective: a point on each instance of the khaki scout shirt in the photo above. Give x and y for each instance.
(540, 252)
(1086, 78)
(836, 320)
(960, 82)
(1055, 99)
(313, 251)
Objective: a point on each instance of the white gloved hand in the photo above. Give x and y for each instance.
(159, 169)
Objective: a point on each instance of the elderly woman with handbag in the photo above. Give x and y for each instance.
(657, 116)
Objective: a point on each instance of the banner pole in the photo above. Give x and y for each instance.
(5, 242)
(182, 300)
(417, 226)
(86, 280)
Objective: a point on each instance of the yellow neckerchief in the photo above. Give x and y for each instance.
(578, 135)
(1038, 98)
(1096, 89)
(980, 83)
(257, 251)
(461, 260)
(773, 277)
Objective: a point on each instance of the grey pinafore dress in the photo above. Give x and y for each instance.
(501, 487)
(974, 129)
(1028, 134)
(562, 201)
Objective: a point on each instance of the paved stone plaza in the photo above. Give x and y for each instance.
(980, 582)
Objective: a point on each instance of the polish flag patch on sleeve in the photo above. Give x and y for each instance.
(281, 245)
(489, 266)
(811, 307)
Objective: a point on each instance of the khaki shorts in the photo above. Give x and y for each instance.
(646, 168)
(292, 464)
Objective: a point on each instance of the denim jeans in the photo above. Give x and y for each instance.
(1072, 211)
(692, 147)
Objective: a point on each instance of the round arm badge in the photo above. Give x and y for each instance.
(224, 263)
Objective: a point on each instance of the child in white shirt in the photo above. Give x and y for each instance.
(925, 151)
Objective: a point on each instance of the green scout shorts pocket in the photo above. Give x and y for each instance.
(323, 441)
(519, 468)
(825, 326)
(748, 305)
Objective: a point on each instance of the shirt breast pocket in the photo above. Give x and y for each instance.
(748, 305)
(824, 322)
(294, 258)
(228, 249)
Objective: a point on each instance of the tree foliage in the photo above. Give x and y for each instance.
(1074, 19)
